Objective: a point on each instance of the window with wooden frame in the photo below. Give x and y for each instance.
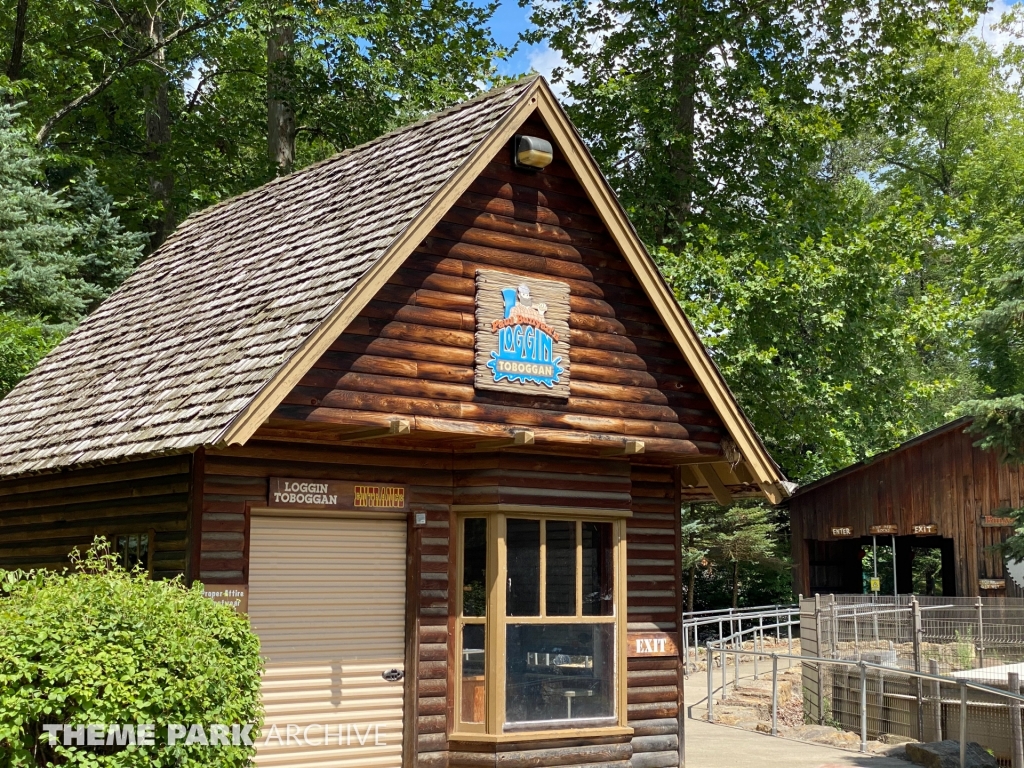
(134, 550)
(540, 624)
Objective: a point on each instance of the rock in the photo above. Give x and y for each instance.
(946, 754)
(898, 751)
(764, 728)
(726, 718)
(895, 738)
(785, 692)
(823, 734)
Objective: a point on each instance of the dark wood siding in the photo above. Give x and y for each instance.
(237, 477)
(44, 517)
(410, 352)
(654, 686)
(941, 479)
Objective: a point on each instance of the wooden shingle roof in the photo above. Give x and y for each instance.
(172, 358)
(208, 337)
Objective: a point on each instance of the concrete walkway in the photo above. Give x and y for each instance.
(722, 746)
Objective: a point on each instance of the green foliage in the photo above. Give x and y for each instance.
(1013, 546)
(780, 168)
(100, 645)
(733, 556)
(22, 344)
(184, 114)
(61, 252)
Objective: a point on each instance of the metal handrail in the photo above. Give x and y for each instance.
(963, 684)
(735, 617)
(746, 609)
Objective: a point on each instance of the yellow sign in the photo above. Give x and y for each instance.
(876, 585)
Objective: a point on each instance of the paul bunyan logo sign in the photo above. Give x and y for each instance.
(522, 334)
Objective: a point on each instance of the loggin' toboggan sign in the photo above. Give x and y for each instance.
(522, 334)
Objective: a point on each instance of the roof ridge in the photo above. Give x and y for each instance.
(429, 118)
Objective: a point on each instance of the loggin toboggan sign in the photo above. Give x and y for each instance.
(522, 334)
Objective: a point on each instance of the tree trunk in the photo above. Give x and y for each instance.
(693, 569)
(156, 96)
(280, 114)
(18, 44)
(735, 583)
(689, 588)
(685, 62)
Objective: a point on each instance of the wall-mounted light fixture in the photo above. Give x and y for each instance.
(531, 153)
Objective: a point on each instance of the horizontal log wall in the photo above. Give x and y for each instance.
(943, 480)
(44, 517)
(653, 602)
(411, 350)
(523, 479)
(436, 479)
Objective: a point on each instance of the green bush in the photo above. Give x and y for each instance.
(100, 646)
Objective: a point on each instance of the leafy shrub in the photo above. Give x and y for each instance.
(103, 646)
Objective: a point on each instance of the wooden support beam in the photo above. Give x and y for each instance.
(519, 438)
(718, 489)
(742, 473)
(689, 478)
(627, 448)
(398, 427)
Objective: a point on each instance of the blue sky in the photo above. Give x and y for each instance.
(506, 24)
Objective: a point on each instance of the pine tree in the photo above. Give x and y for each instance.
(61, 252)
(36, 271)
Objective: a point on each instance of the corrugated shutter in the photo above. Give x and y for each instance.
(327, 599)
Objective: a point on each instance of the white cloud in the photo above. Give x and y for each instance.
(544, 60)
(998, 39)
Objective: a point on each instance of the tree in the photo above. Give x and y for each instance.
(696, 546)
(744, 535)
(61, 252)
(741, 139)
(711, 112)
(180, 103)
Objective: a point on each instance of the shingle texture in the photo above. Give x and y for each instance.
(178, 351)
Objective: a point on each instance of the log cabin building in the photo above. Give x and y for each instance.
(937, 491)
(427, 412)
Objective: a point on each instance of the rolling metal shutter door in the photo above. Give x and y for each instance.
(327, 599)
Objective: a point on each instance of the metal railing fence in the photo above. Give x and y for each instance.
(886, 696)
(699, 627)
(953, 634)
(949, 701)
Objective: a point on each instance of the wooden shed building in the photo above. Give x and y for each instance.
(937, 491)
(427, 412)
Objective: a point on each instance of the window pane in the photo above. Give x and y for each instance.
(561, 568)
(133, 551)
(473, 700)
(597, 569)
(474, 567)
(522, 542)
(559, 672)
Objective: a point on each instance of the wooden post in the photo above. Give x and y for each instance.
(1017, 742)
(933, 668)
